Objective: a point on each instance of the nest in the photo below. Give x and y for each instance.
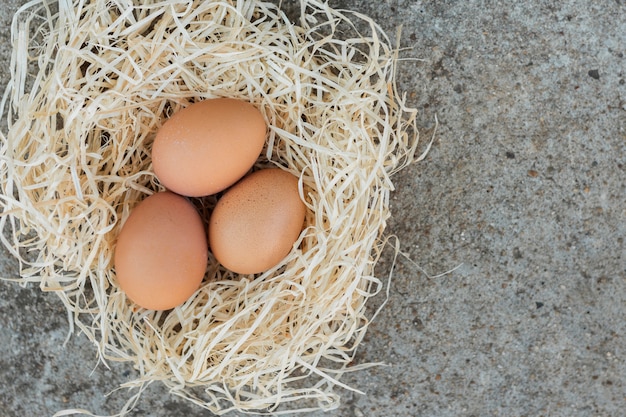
(91, 84)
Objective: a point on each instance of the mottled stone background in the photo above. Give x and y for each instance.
(524, 188)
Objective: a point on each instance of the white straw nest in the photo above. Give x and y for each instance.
(92, 81)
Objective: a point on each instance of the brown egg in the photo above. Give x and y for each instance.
(162, 252)
(256, 222)
(208, 146)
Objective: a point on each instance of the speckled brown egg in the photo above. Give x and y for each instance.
(208, 146)
(257, 221)
(161, 253)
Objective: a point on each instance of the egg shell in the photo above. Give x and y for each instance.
(208, 146)
(256, 222)
(161, 252)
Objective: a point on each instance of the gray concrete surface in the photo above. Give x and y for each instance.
(525, 187)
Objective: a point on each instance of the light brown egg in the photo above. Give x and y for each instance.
(256, 222)
(162, 252)
(208, 146)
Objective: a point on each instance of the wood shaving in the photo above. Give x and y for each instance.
(92, 82)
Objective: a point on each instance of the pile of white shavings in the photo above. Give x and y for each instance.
(92, 82)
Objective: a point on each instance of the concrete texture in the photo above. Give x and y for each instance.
(525, 188)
